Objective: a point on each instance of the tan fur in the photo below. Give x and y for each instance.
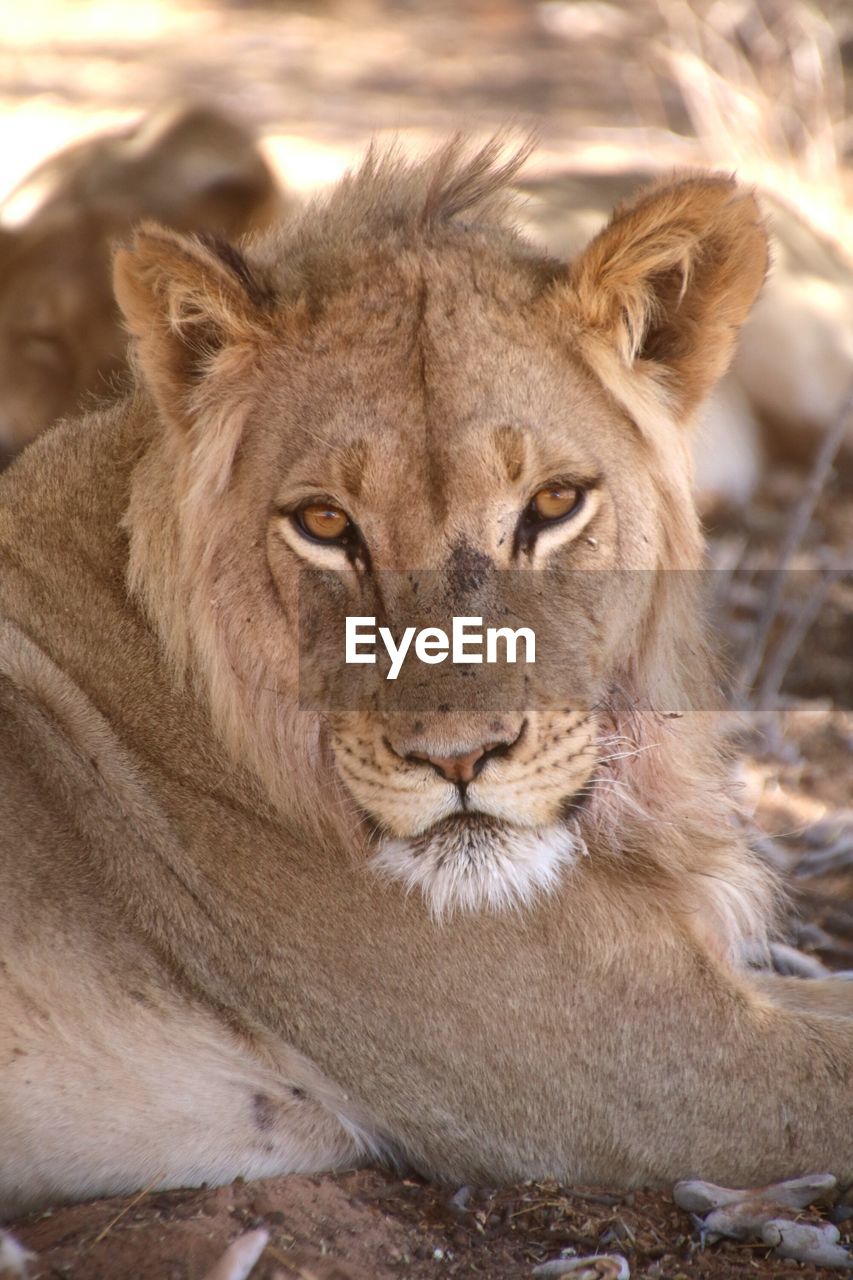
(201, 869)
(62, 344)
(794, 365)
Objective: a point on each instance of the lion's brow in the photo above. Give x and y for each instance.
(352, 459)
(511, 447)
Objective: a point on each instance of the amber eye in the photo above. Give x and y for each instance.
(554, 501)
(323, 521)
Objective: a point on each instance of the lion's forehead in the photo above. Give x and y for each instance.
(432, 411)
(426, 322)
(434, 390)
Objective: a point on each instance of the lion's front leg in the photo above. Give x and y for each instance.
(739, 1079)
(104, 1091)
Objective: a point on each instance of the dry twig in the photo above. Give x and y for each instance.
(776, 668)
(130, 1204)
(797, 529)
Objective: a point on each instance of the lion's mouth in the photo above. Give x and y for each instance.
(473, 862)
(466, 820)
(469, 820)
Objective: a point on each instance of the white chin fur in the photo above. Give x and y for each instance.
(472, 866)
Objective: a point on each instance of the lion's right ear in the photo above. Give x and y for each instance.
(187, 300)
(656, 299)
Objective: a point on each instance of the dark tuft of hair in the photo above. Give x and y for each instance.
(258, 290)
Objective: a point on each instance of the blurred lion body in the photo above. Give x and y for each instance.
(203, 974)
(61, 336)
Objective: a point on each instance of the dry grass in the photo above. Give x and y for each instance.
(763, 85)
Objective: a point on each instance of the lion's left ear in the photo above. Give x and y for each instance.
(187, 301)
(663, 289)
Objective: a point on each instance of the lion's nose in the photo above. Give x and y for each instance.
(461, 768)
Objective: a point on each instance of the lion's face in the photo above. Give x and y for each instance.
(433, 445)
(443, 433)
(61, 338)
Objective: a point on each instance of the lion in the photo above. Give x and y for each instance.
(793, 369)
(259, 917)
(62, 343)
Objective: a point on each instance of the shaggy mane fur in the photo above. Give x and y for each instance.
(390, 203)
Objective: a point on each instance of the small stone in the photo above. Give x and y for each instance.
(600, 1266)
(742, 1221)
(239, 1258)
(211, 1205)
(816, 1243)
(796, 1193)
(14, 1258)
(459, 1201)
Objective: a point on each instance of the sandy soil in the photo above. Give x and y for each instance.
(374, 1226)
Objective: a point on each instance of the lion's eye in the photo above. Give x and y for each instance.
(43, 349)
(323, 521)
(553, 502)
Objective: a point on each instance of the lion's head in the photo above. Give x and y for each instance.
(393, 407)
(61, 337)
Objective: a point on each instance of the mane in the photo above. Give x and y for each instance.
(661, 810)
(388, 191)
(391, 203)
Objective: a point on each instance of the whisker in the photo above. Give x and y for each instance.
(625, 755)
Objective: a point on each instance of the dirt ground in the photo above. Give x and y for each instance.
(371, 1225)
(318, 80)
